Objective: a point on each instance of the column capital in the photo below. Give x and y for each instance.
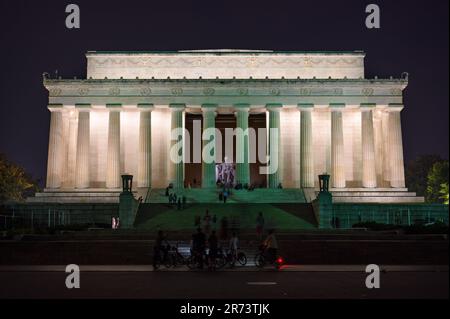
(242, 107)
(336, 106)
(113, 107)
(305, 106)
(145, 107)
(177, 106)
(83, 106)
(395, 107)
(274, 106)
(209, 107)
(57, 107)
(367, 106)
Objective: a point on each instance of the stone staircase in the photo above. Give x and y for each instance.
(258, 195)
(378, 195)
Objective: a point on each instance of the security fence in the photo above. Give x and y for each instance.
(345, 215)
(36, 216)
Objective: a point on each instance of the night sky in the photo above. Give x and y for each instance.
(33, 37)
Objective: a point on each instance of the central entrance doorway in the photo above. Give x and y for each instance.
(193, 171)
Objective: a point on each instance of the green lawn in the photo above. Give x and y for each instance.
(158, 217)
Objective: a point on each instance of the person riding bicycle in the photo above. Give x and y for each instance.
(198, 245)
(233, 247)
(161, 246)
(271, 246)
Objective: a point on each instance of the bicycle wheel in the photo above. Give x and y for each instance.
(156, 263)
(192, 262)
(220, 261)
(182, 260)
(242, 259)
(260, 261)
(168, 262)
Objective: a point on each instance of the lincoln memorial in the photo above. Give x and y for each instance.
(330, 118)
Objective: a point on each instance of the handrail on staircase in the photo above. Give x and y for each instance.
(147, 196)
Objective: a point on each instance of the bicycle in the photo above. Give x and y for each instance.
(175, 257)
(161, 257)
(194, 261)
(230, 258)
(262, 258)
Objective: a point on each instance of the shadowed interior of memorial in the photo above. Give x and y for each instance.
(193, 171)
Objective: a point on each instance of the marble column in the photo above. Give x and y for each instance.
(176, 159)
(83, 141)
(209, 167)
(242, 145)
(306, 147)
(369, 173)
(337, 147)
(113, 179)
(55, 150)
(145, 145)
(397, 174)
(274, 143)
(386, 172)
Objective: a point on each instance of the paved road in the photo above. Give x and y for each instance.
(138, 282)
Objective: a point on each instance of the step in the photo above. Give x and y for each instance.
(372, 194)
(379, 199)
(237, 196)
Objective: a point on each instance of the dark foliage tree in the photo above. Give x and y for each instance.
(416, 173)
(437, 177)
(15, 183)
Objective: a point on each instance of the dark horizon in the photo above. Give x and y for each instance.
(412, 38)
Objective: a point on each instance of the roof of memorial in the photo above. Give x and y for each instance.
(228, 51)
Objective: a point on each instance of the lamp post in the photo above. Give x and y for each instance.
(324, 182)
(127, 183)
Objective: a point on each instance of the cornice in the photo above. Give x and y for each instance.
(231, 87)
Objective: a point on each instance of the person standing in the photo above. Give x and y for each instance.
(184, 201)
(207, 223)
(159, 249)
(198, 246)
(225, 196)
(233, 248)
(214, 222)
(213, 247)
(224, 228)
(259, 225)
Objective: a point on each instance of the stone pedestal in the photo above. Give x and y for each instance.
(323, 210)
(128, 206)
